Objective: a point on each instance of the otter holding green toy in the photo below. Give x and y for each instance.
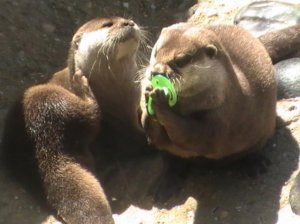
(160, 81)
(226, 97)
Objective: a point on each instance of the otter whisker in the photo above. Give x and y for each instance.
(144, 36)
(111, 48)
(92, 68)
(200, 67)
(140, 75)
(94, 63)
(145, 43)
(177, 80)
(100, 58)
(141, 59)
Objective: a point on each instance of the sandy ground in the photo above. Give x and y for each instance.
(34, 38)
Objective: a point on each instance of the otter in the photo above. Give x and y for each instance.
(226, 91)
(50, 130)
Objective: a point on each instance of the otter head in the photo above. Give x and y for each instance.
(192, 58)
(105, 51)
(115, 39)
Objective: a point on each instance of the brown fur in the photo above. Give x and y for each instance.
(226, 92)
(52, 126)
(282, 44)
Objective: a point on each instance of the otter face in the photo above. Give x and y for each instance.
(110, 38)
(189, 55)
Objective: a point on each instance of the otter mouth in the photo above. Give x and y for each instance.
(159, 81)
(126, 33)
(173, 78)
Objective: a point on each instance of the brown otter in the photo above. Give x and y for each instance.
(52, 125)
(226, 92)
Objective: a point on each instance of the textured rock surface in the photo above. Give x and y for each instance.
(34, 39)
(295, 195)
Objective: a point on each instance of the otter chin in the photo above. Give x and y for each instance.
(50, 130)
(226, 92)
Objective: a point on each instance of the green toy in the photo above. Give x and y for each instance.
(160, 81)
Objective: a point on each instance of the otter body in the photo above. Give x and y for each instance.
(50, 130)
(226, 90)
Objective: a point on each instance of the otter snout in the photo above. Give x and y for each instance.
(162, 69)
(127, 23)
(126, 29)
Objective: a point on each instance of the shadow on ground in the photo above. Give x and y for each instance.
(223, 195)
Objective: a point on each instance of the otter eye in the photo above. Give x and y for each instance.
(211, 51)
(107, 24)
(183, 61)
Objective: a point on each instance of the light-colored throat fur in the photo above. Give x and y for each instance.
(114, 85)
(110, 66)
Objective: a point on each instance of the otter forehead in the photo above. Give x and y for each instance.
(179, 39)
(185, 29)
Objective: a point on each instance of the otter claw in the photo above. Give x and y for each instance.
(149, 88)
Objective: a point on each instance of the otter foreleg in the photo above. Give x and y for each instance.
(61, 125)
(186, 132)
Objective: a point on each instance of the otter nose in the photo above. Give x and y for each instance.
(161, 68)
(128, 23)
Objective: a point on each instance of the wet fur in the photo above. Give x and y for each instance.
(282, 44)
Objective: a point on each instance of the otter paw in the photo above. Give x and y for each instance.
(163, 111)
(81, 85)
(148, 92)
(160, 100)
(149, 89)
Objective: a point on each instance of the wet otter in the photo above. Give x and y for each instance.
(49, 131)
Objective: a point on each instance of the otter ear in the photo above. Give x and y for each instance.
(211, 51)
(76, 40)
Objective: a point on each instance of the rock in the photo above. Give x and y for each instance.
(262, 16)
(286, 216)
(126, 5)
(51, 220)
(294, 197)
(49, 28)
(288, 111)
(223, 214)
(135, 215)
(180, 214)
(288, 78)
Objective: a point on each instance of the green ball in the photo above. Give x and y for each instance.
(160, 81)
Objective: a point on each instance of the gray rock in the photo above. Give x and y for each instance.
(48, 28)
(260, 17)
(288, 78)
(294, 197)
